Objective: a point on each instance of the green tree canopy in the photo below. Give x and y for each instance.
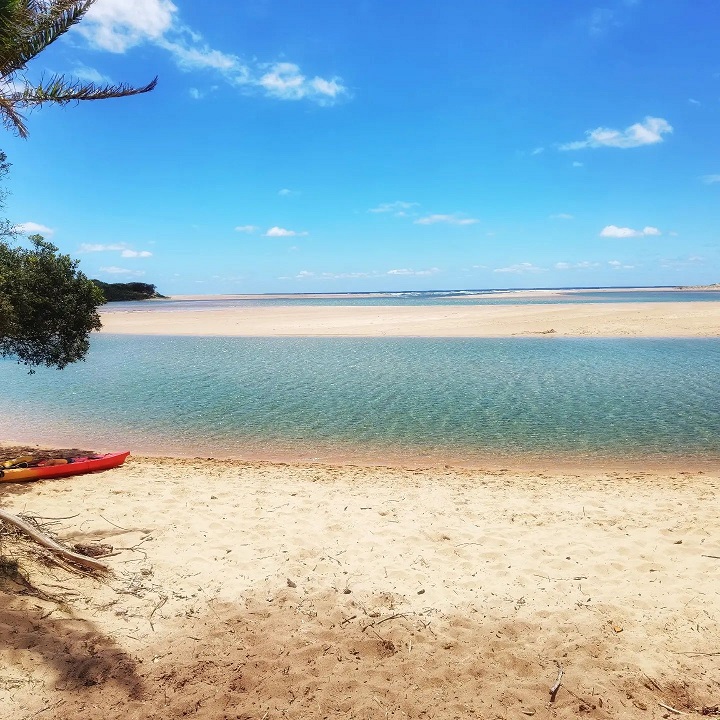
(47, 306)
(27, 27)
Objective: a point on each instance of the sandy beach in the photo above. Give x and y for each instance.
(642, 319)
(260, 590)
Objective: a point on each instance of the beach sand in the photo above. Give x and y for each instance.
(642, 319)
(264, 591)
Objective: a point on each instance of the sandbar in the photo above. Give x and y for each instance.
(641, 319)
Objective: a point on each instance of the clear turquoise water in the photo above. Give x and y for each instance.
(345, 398)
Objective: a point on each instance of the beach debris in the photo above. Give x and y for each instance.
(671, 709)
(291, 584)
(558, 682)
(94, 549)
(39, 537)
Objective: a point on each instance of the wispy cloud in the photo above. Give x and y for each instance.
(114, 270)
(613, 231)
(600, 20)
(248, 229)
(399, 208)
(447, 219)
(136, 254)
(308, 274)
(617, 265)
(410, 271)
(287, 192)
(538, 151)
(648, 132)
(119, 25)
(693, 101)
(710, 179)
(283, 232)
(520, 269)
(98, 247)
(562, 216)
(33, 228)
(582, 265)
(88, 74)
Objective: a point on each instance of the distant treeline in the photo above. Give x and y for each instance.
(127, 291)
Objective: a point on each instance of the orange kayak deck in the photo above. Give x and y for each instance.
(78, 467)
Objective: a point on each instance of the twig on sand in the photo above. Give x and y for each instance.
(163, 599)
(671, 709)
(558, 683)
(114, 525)
(389, 617)
(714, 557)
(46, 542)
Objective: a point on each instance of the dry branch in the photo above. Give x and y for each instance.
(46, 542)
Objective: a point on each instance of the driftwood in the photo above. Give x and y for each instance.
(42, 539)
(558, 683)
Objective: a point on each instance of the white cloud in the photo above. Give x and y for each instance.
(613, 231)
(520, 269)
(578, 164)
(562, 216)
(448, 219)
(538, 151)
(582, 265)
(97, 247)
(33, 228)
(249, 229)
(287, 192)
(617, 265)
(408, 271)
(114, 270)
(88, 74)
(282, 232)
(710, 179)
(693, 101)
(399, 208)
(647, 132)
(119, 25)
(136, 254)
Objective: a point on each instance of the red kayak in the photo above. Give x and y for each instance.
(73, 466)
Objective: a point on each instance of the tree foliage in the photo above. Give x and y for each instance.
(27, 27)
(47, 306)
(127, 291)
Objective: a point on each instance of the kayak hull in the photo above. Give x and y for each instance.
(80, 467)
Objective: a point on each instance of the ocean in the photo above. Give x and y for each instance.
(469, 401)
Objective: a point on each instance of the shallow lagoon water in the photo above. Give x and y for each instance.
(467, 400)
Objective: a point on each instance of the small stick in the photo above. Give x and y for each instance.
(558, 683)
(120, 527)
(671, 709)
(714, 557)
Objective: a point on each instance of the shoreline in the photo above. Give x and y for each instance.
(602, 320)
(557, 463)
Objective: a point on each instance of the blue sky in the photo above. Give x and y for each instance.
(368, 145)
